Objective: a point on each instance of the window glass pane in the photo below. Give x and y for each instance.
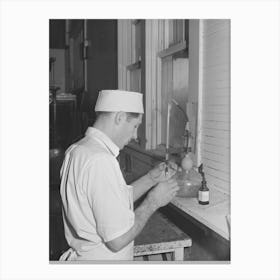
(135, 80)
(138, 41)
(176, 31)
(174, 85)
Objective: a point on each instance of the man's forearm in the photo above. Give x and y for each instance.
(142, 214)
(142, 185)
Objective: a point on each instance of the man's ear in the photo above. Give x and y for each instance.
(120, 117)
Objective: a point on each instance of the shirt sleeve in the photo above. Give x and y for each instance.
(109, 198)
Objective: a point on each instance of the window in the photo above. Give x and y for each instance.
(153, 59)
(172, 81)
(173, 74)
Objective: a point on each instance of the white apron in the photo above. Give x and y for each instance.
(99, 253)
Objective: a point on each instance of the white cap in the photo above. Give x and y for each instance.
(119, 101)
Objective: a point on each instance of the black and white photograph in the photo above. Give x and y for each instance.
(139, 140)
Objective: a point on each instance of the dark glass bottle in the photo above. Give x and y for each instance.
(203, 192)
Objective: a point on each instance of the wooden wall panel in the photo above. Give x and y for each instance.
(215, 122)
(148, 85)
(154, 48)
(124, 52)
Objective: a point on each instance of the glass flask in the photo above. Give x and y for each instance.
(189, 182)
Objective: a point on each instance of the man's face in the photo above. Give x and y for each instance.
(129, 129)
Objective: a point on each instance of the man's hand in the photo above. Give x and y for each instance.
(158, 173)
(163, 193)
(159, 196)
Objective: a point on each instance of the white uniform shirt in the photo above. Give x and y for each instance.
(97, 203)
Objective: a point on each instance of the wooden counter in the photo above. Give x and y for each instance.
(212, 215)
(161, 236)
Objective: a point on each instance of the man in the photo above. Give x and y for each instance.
(99, 220)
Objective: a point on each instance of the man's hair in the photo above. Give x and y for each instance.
(129, 115)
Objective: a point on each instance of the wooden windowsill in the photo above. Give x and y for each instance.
(134, 66)
(173, 49)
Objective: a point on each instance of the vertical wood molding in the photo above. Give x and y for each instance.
(166, 34)
(162, 90)
(148, 102)
(154, 41)
(120, 54)
(127, 54)
(133, 43)
(160, 46)
(194, 84)
(124, 53)
(200, 94)
(159, 100)
(144, 143)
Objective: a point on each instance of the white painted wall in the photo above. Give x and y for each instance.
(215, 107)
